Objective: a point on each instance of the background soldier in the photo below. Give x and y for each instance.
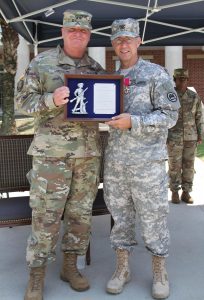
(66, 157)
(183, 139)
(135, 178)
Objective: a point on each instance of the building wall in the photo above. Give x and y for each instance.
(193, 60)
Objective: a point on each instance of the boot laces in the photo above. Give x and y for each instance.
(71, 264)
(36, 281)
(158, 269)
(121, 264)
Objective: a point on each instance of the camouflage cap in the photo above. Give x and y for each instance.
(178, 73)
(125, 27)
(79, 18)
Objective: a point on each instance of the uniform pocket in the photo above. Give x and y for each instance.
(38, 190)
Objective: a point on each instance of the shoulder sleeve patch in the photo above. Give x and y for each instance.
(172, 97)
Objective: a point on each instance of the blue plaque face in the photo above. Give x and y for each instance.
(94, 97)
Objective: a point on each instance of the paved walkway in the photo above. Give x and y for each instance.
(185, 263)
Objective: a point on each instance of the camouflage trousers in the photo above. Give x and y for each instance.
(138, 191)
(61, 185)
(181, 164)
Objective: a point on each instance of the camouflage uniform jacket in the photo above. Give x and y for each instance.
(188, 126)
(153, 105)
(54, 136)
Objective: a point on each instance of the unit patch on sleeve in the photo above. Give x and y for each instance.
(172, 97)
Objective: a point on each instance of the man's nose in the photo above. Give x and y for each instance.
(78, 33)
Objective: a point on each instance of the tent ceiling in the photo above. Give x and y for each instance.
(162, 22)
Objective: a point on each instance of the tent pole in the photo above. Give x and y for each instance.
(36, 39)
(35, 49)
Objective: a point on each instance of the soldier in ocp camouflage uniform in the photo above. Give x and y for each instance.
(135, 179)
(66, 157)
(183, 139)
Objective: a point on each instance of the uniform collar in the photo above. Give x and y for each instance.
(135, 66)
(64, 59)
(180, 93)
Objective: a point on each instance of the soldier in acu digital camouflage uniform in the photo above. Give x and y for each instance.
(183, 139)
(135, 179)
(66, 157)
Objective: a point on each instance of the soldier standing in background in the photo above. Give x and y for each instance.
(183, 139)
(66, 157)
(135, 179)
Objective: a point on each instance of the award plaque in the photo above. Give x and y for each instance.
(94, 97)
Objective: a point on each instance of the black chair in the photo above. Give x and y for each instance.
(15, 163)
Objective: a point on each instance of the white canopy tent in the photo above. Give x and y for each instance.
(164, 22)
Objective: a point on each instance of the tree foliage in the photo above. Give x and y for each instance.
(10, 41)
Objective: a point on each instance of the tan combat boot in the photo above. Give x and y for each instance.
(122, 273)
(71, 274)
(160, 287)
(35, 285)
(186, 197)
(175, 198)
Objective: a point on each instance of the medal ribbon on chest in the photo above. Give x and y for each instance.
(126, 85)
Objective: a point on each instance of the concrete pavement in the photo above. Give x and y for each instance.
(185, 263)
